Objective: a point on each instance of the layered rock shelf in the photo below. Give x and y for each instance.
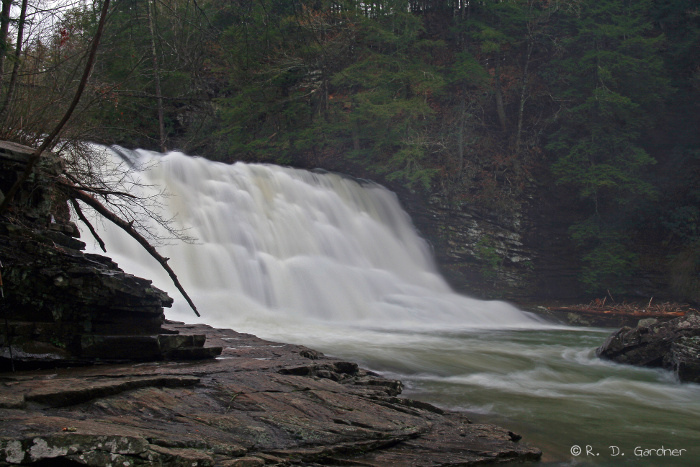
(258, 403)
(63, 307)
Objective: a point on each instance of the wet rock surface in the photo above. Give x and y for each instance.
(673, 345)
(259, 403)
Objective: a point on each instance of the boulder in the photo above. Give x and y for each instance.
(673, 345)
(684, 359)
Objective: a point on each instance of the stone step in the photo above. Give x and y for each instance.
(169, 342)
(155, 347)
(193, 353)
(120, 347)
(36, 344)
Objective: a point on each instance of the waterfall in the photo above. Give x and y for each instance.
(277, 247)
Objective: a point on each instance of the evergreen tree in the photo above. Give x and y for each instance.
(610, 82)
(385, 97)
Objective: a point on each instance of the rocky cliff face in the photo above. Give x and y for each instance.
(519, 253)
(478, 251)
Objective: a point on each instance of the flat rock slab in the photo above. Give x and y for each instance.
(15, 152)
(259, 403)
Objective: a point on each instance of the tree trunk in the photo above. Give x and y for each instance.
(500, 108)
(460, 135)
(15, 66)
(4, 27)
(156, 78)
(128, 228)
(523, 97)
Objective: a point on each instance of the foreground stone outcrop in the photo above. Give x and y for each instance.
(259, 403)
(61, 306)
(64, 307)
(673, 345)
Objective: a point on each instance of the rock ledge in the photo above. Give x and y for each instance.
(259, 403)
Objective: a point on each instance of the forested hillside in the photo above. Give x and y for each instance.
(591, 105)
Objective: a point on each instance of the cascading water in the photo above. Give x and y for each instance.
(335, 264)
(285, 244)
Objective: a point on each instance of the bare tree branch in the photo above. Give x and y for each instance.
(87, 223)
(129, 228)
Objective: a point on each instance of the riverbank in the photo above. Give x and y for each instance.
(259, 403)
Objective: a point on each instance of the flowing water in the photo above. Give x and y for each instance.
(335, 264)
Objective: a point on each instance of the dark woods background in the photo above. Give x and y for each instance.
(586, 107)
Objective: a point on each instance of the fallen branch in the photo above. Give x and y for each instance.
(128, 228)
(87, 223)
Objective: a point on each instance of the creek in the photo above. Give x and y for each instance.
(335, 264)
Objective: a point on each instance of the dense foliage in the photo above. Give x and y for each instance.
(486, 100)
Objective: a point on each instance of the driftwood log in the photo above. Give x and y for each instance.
(638, 310)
